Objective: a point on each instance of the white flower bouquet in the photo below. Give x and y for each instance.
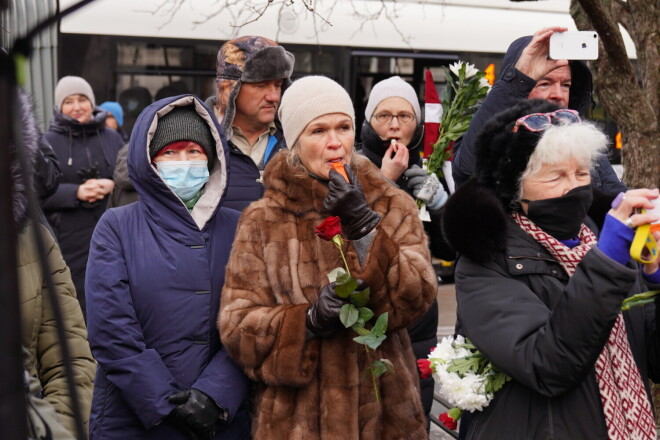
(467, 380)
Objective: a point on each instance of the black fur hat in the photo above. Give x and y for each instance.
(502, 155)
(475, 217)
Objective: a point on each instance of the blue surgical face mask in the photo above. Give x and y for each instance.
(185, 178)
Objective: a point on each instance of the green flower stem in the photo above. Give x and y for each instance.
(373, 376)
(639, 300)
(338, 243)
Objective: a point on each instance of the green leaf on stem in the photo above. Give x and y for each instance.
(366, 313)
(378, 368)
(372, 341)
(380, 327)
(335, 273)
(345, 285)
(348, 315)
(359, 329)
(361, 297)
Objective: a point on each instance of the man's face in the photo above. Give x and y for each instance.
(554, 87)
(256, 103)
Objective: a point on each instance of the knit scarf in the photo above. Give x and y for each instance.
(628, 413)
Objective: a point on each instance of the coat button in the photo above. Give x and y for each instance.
(519, 266)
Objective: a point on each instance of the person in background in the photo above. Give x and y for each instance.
(155, 273)
(87, 154)
(540, 295)
(528, 72)
(392, 138)
(114, 118)
(251, 74)
(280, 316)
(44, 364)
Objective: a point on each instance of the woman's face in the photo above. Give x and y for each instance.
(328, 138)
(78, 107)
(394, 129)
(554, 181)
(182, 151)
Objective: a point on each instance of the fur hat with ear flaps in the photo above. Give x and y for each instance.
(475, 217)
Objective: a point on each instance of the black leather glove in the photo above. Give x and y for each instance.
(195, 415)
(323, 316)
(346, 200)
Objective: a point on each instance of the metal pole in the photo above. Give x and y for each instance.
(12, 391)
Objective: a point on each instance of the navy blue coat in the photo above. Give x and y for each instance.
(154, 279)
(513, 86)
(83, 150)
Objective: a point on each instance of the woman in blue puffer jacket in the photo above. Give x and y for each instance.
(154, 277)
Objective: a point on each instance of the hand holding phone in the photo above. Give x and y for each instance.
(577, 45)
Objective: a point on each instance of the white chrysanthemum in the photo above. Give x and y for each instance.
(443, 352)
(470, 70)
(467, 393)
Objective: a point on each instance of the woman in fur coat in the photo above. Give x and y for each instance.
(280, 316)
(540, 295)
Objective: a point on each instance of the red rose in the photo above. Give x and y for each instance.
(446, 420)
(424, 366)
(330, 227)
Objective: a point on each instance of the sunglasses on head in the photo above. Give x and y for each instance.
(541, 121)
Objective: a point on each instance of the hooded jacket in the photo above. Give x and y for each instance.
(519, 307)
(39, 334)
(315, 389)
(83, 150)
(513, 86)
(154, 278)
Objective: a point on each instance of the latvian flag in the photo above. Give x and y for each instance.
(432, 114)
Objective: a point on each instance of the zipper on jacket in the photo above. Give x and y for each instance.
(551, 425)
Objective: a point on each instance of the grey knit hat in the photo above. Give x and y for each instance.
(72, 85)
(307, 99)
(183, 124)
(393, 87)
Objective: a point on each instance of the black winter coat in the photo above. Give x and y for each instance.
(513, 86)
(546, 331)
(83, 150)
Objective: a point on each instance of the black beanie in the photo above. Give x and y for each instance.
(183, 124)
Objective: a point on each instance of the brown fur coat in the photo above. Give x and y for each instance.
(317, 389)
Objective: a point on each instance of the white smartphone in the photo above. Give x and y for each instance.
(576, 45)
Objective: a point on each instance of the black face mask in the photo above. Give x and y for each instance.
(562, 216)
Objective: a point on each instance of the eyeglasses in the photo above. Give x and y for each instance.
(541, 121)
(403, 118)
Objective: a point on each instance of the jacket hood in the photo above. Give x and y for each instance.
(159, 200)
(581, 92)
(247, 59)
(23, 179)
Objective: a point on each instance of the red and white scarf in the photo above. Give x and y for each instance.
(628, 413)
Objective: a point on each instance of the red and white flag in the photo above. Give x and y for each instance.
(432, 113)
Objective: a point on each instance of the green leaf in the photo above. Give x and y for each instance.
(380, 327)
(372, 341)
(388, 364)
(348, 315)
(366, 313)
(345, 286)
(378, 368)
(335, 273)
(360, 298)
(496, 381)
(454, 413)
(360, 330)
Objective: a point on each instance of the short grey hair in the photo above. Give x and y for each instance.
(582, 141)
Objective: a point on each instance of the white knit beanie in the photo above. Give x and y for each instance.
(308, 98)
(391, 88)
(72, 85)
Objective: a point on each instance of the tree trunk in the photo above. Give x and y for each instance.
(630, 100)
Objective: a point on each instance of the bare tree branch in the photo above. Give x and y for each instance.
(259, 14)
